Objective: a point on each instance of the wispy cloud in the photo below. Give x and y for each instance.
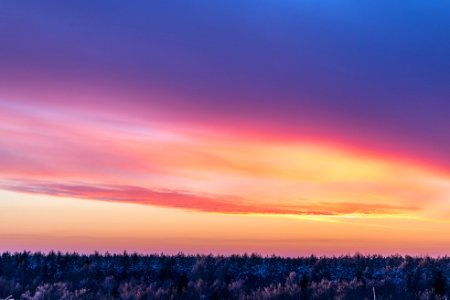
(199, 202)
(185, 167)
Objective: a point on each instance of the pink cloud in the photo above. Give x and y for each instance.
(191, 201)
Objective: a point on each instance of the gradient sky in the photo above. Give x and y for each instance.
(287, 127)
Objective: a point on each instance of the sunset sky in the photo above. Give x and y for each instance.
(277, 127)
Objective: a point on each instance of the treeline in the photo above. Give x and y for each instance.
(132, 276)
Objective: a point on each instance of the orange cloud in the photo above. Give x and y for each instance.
(143, 162)
(199, 202)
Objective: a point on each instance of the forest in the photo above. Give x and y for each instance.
(57, 275)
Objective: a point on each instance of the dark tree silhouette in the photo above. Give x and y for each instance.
(33, 276)
(439, 283)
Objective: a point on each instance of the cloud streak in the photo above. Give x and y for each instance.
(192, 168)
(199, 202)
(274, 107)
(326, 78)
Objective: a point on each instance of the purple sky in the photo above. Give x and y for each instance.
(373, 76)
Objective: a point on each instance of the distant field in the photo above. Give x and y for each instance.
(131, 276)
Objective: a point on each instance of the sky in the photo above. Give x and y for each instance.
(278, 127)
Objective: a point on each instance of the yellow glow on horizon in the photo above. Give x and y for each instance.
(82, 225)
(160, 189)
